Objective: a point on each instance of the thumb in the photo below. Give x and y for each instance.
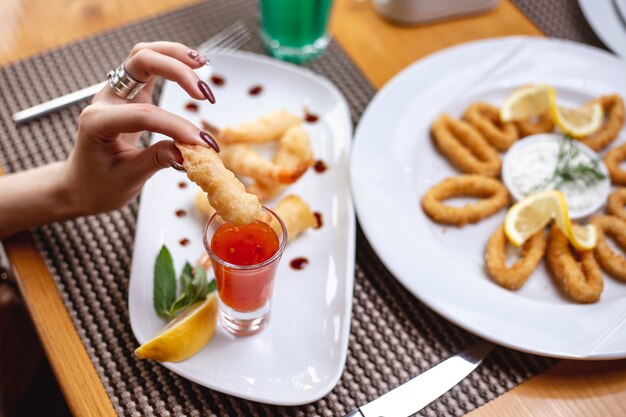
(154, 158)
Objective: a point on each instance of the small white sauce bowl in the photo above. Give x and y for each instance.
(519, 147)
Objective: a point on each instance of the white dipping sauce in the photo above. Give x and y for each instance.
(529, 166)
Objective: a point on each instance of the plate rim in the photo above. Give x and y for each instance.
(350, 226)
(599, 24)
(371, 233)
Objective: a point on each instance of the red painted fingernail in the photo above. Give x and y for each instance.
(176, 165)
(198, 57)
(206, 91)
(209, 141)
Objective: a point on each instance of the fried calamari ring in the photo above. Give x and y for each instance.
(576, 272)
(612, 160)
(492, 193)
(486, 119)
(225, 192)
(515, 276)
(465, 147)
(613, 263)
(613, 106)
(616, 204)
(296, 214)
(293, 157)
(268, 128)
(540, 124)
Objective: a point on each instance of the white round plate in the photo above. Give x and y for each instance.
(394, 162)
(621, 8)
(607, 22)
(300, 356)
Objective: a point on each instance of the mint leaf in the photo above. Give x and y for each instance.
(194, 288)
(180, 304)
(212, 286)
(194, 285)
(186, 277)
(164, 283)
(200, 282)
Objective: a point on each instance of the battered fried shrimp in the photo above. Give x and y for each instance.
(225, 192)
(611, 262)
(515, 276)
(201, 202)
(540, 124)
(616, 204)
(612, 160)
(613, 106)
(576, 272)
(266, 190)
(492, 194)
(293, 157)
(296, 214)
(465, 147)
(486, 119)
(268, 128)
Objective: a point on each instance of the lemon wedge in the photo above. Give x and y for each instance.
(528, 101)
(533, 213)
(184, 336)
(578, 122)
(583, 237)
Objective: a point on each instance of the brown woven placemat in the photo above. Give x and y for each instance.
(560, 19)
(393, 335)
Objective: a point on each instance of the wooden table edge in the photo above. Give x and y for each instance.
(76, 375)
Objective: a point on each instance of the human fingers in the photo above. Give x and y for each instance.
(147, 63)
(191, 57)
(104, 123)
(145, 163)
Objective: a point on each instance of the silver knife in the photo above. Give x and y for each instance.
(417, 393)
(57, 103)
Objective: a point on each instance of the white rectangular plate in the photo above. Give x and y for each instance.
(300, 356)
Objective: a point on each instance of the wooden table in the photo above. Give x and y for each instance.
(572, 388)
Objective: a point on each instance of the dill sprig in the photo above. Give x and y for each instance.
(568, 172)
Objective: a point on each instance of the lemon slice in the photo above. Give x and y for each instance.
(583, 237)
(578, 122)
(533, 213)
(527, 101)
(184, 336)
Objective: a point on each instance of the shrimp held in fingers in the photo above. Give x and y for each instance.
(225, 192)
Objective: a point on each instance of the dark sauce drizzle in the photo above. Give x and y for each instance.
(320, 166)
(184, 241)
(181, 213)
(191, 106)
(319, 219)
(255, 90)
(310, 117)
(299, 263)
(218, 80)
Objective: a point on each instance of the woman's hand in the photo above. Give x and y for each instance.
(107, 168)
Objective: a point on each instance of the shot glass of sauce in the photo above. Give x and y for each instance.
(245, 259)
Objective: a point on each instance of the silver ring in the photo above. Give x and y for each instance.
(123, 84)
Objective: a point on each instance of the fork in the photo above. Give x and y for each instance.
(228, 40)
